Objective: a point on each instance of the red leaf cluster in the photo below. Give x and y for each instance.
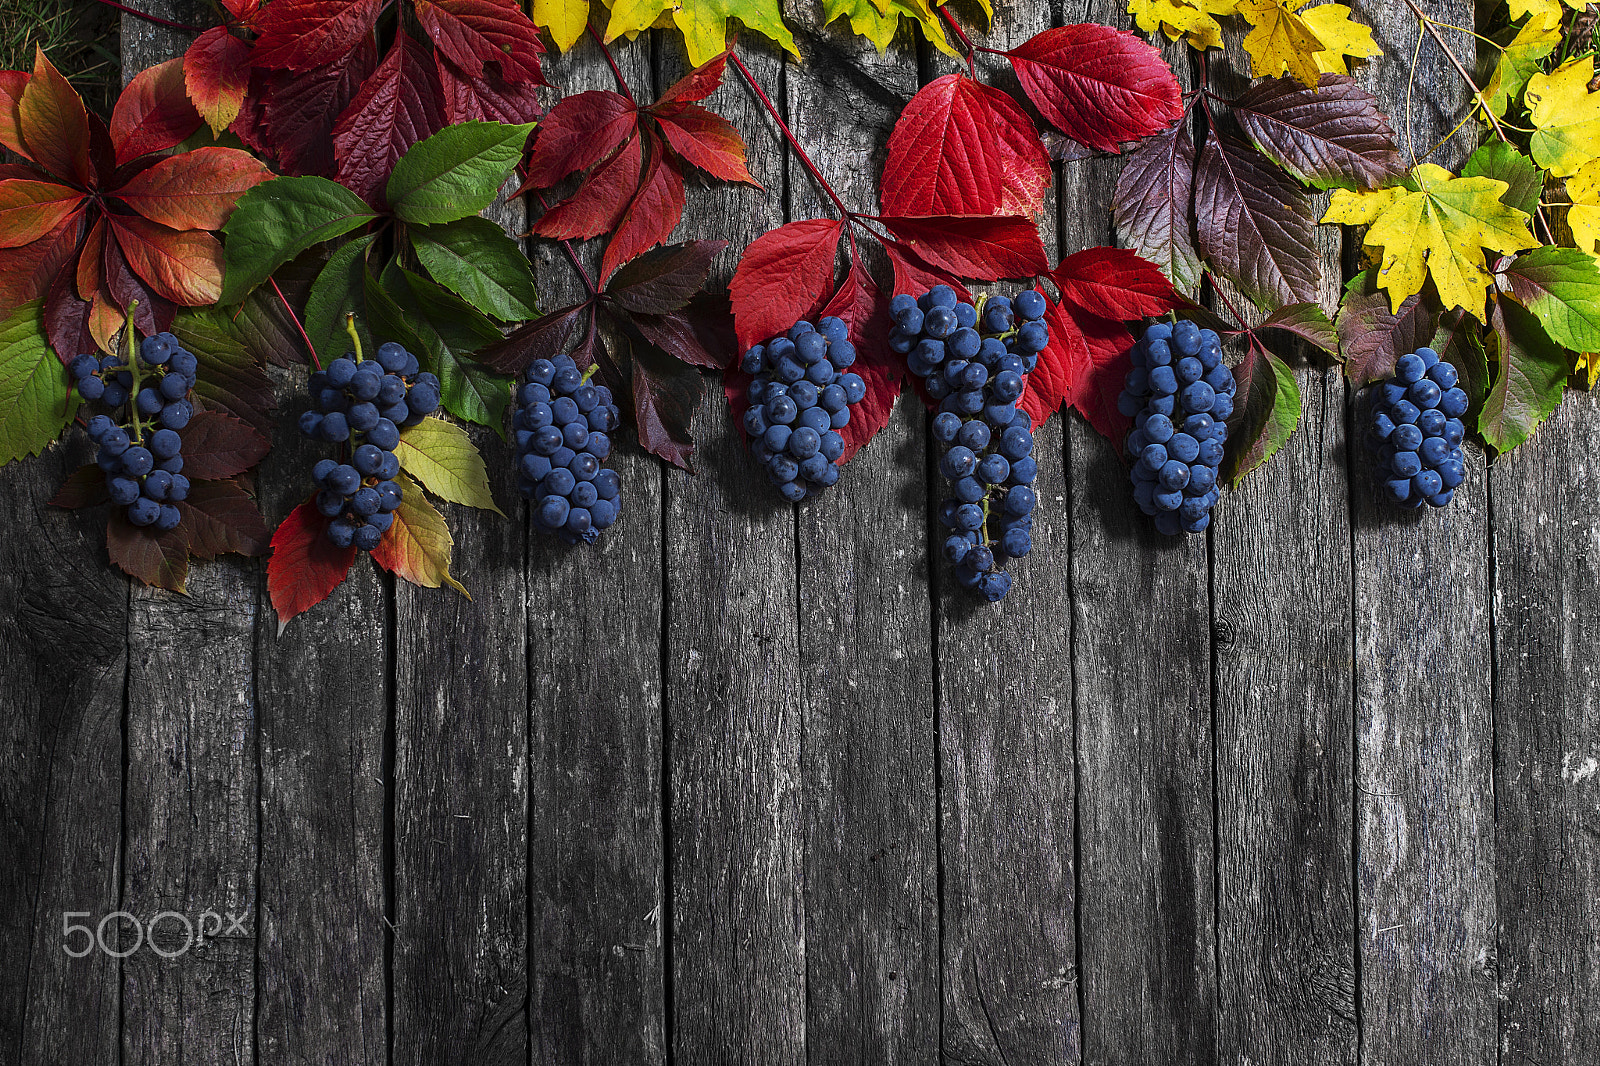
(98, 218)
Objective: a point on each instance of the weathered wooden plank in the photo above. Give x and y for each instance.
(460, 800)
(868, 762)
(189, 802)
(595, 873)
(63, 667)
(1547, 737)
(733, 685)
(1142, 679)
(1424, 800)
(1283, 643)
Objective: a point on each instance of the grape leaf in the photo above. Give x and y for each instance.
(662, 281)
(1306, 321)
(1435, 224)
(340, 289)
(879, 20)
(1114, 283)
(1195, 21)
(1152, 205)
(580, 131)
(693, 336)
(1097, 85)
(30, 209)
(1265, 415)
(785, 275)
(158, 559)
(488, 96)
(449, 330)
(35, 403)
(565, 19)
(228, 376)
(305, 567)
(1531, 374)
(653, 213)
(183, 266)
(914, 274)
(707, 141)
(220, 517)
(474, 33)
(153, 113)
(299, 109)
(195, 190)
(985, 247)
(1561, 286)
(217, 446)
(417, 547)
(1255, 224)
(663, 393)
(599, 203)
(278, 220)
(399, 105)
(441, 456)
(475, 259)
(216, 74)
(54, 126)
(863, 309)
(1499, 160)
(544, 338)
(456, 172)
(1372, 335)
(307, 34)
(1565, 116)
(703, 22)
(1327, 136)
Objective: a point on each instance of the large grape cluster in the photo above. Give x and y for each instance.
(801, 391)
(562, 430)
(138, 443)
(1416, 430)
(973, 361)
(1179, 394)
(363, 404)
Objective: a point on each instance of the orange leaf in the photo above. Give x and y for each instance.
(417, 546)
(305, 566)
(185, 267)
(153, 113)
(54, 125)
(194, 190)
(31, 209)
(12, 83)
(105, 320)
(91, 275)
(216, 71)
(709, 141)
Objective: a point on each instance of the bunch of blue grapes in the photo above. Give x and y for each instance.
(363, 404)
(562, 428)
(1179, 395)
(138, 442)
(1416, 430)
(801, 391)
(973, 360)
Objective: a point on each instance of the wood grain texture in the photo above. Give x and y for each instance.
(63, 668)
(1142, 680)
(1547, 737)
(733, 681)
(461, 785)
(595, 866)
(1425, 833)
(868, 758)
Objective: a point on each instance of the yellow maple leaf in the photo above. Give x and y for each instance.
(1583, 189)
(1177, 19)
(1340, 37)
(1566, 117)
(704, 23)
(1536, 39)
(1306, 44)
(1542, 8)
(565, 19)
(1435, 224)
(877, 20)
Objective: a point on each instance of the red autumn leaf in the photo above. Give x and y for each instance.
(1255, 224)
(1153, 204)
(396, 107)
(709, 141)
(220, 517)
(155, 312)
(678, 333)
(194, 190)
(474, 32)
(579, 132)
(12, 82)
(153, 113)
(84, 487)
(305, 566)
(299, 110)
(66, 318)
(1114, 283)
(653, 214)
(26, 272)
(159, 559)
(184, 267)
(698, 84)
(664, 280)
(54, 125)
(665, 394)
(31, 209)
(1097, 85)
(218, 446)
(216, 74)
(1083, 366)
(861, 307)
(784, 276)
(915, 275)
(962, 148)
(308, 34)
(488, 97)
(544, 338)
(600, 201)
(973, 246)
(90, 275)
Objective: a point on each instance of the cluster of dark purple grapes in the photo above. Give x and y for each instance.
(562, 425)
(364, 403)
(973, 360)
(139, 448)
(1179, 394)
(801, 392)
(1416, 430)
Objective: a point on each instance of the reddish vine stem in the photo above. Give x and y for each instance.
(312, 348)
(572, 256)
(616, 71)
(788, 134)
(1216, 287)
(157, 19)
(961, 35)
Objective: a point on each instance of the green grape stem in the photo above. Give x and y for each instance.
(355, 337)
(133, 368)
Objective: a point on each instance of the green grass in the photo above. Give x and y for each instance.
(79, 36)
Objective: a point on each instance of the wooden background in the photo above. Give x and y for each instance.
(755, 784)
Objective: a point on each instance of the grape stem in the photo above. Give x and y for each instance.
(972, 59)
(572, 256)
(788, 135)
(157, 19)
(355, 338)
(133, 368)
(312, 348)
(616, 71)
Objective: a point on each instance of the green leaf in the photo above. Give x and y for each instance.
(1502, 162)
(441, 456)
(339, 288)
(1532, 370)
(1459, 342)
(35, 402)
(1562, 287)
(1267, 412)
(279, 219)
(456, 172)
(474, 258)
(1306, 321)
(229, 375)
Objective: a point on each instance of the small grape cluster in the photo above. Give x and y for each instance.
(562, 425)
(801, 391)
(140, 451)
(1416, 430)
(1180, 395)
(363, 404)
(973, 360)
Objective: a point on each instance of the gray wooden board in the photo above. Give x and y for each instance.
(1425, 833)
(1547, 738)
(872, 909)
(595, 866)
